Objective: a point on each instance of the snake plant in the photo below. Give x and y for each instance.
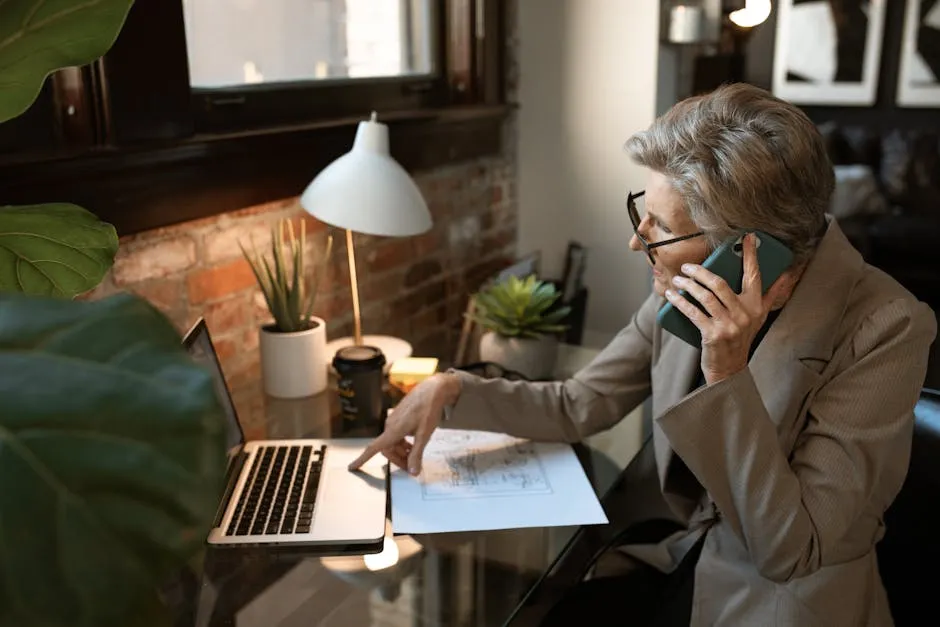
(523, 308)
(290, 294)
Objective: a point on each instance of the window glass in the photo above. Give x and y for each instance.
(241, 42)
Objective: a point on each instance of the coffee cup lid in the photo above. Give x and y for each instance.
(365, 356)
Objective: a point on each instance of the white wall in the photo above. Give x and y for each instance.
(587, 81)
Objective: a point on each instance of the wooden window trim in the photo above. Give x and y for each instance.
(156, 170)
(146, 188)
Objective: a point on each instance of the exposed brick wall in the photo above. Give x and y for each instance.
(415, 287)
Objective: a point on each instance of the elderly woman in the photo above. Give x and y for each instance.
(783, 440)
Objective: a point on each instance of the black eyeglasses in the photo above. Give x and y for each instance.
(635, 219)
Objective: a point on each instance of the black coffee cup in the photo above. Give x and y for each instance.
(361, 378)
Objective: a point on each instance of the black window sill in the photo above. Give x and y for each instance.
(149, 186)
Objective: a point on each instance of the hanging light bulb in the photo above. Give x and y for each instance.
(753, 13)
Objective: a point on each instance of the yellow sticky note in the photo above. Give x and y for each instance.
(408, 372)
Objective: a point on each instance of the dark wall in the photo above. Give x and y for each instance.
(884, 114)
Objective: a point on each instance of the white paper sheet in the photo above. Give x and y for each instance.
(476, 481)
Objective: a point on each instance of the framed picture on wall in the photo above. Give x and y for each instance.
(573, 277)
(919, 74)
(828, 52)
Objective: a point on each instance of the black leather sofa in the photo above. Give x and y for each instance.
(908, 555)
(895, 222)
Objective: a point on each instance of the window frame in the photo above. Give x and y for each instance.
(467, 46)
(135, 152)
(243, 107)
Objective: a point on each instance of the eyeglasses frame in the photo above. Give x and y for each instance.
(635, 221)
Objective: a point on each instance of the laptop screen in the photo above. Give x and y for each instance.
(200, 347)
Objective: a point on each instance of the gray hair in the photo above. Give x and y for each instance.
(742, 159)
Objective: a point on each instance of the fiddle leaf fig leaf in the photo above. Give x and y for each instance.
(40, 36)
(112, 455)
(53, 250)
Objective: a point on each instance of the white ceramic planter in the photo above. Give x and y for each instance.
(294, 365)
(534, 358)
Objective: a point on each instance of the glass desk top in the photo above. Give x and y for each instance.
(478, 578)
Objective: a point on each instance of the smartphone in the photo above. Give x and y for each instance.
(727, 261)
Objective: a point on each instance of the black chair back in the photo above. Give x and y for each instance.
(909, 554)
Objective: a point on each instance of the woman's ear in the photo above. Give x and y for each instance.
(782, 289)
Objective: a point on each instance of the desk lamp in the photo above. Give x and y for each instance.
(367, 191)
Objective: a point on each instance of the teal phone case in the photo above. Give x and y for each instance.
(727, 261)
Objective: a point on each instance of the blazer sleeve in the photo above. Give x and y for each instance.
(849, 459)
(594, 399)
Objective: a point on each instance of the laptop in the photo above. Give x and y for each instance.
(293, 492)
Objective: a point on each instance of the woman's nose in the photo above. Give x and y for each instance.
(635, 243)
(642, 230)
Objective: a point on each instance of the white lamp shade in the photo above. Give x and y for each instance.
(755, 12)
(367, 191)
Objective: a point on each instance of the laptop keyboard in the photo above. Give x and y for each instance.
(280, 492)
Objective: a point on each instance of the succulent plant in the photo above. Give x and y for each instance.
(289, 293)
(521, 308)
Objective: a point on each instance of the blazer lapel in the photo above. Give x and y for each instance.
(787, 364)
(780, 373)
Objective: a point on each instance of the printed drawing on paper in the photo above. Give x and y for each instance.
(461, 465)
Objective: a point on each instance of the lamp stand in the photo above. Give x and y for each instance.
(392, 347)
(354, 285)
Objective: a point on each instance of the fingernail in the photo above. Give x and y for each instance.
(677, 280)
(687, 268)
(670, 293)
(413, 470)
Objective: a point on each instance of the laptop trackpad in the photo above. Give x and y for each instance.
(350, 506)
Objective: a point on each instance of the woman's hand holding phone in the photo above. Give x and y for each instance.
(733, 320)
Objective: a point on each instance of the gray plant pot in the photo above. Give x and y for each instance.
(534, 358)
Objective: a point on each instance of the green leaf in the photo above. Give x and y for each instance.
(112, 455)
(53, 250)
(279, 310)
(280, 265)
(300, 276)
(40, 36)
(556, 316)
(295, 291)
(253, 264)
(544, 296)
(489, 301)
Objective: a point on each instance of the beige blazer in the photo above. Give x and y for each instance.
(788, 466)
